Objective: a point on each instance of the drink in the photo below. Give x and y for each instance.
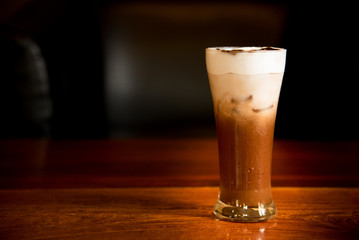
(245, 85)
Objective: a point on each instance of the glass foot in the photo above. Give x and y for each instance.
(244, 213)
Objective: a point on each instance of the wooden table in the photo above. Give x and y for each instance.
(166, 189)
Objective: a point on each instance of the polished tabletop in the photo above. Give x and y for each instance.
(166, 189)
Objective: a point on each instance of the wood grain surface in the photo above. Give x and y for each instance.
(166, 189)
(172, 213)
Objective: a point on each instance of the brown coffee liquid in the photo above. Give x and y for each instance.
(245, 141)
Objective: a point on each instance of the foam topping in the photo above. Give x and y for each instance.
(245, 60)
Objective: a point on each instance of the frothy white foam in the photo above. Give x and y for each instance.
(245, 60)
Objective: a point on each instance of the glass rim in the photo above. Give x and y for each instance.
(246, 49)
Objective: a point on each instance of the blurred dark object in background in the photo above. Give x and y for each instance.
(25, 104)
(68, 34)
(137, 69)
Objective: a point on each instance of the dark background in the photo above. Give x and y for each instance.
(96, 69)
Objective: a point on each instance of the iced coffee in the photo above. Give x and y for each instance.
(245, 84)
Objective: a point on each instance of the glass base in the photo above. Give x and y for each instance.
(244, 213)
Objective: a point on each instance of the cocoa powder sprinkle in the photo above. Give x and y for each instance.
(234, 51)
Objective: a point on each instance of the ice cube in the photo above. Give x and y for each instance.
(236, 101)
(257, 110)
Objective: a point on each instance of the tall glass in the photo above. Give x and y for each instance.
(245, 84)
